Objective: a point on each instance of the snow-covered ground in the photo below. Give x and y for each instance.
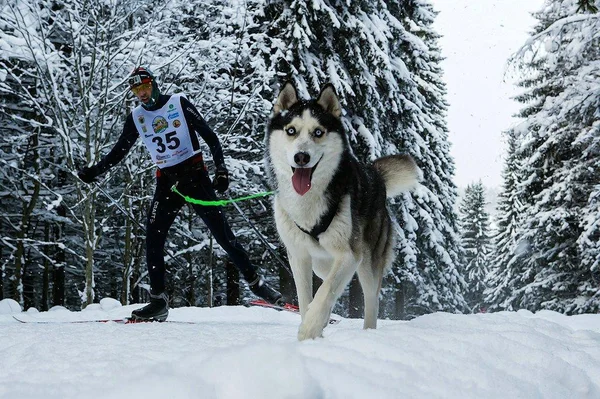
(237, 352)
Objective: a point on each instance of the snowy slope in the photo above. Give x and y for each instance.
(237, 352)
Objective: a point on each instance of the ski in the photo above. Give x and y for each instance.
(125, 320)
(288, 307)
(32, 319)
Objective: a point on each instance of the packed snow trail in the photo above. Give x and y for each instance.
(238, 352)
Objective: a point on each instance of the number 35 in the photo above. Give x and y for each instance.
(172, 142)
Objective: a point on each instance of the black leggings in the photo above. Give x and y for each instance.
(164, 208)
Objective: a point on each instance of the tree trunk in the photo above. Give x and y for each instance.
(46, 273)
(89, 278)
(127, 259)
(135, 277)
(58, 272)
(28, 290)
(355, 299)
(17, 278)
(28, 207)
(233, 284)
(89, 234)
(287, 286)
(400, 313)
(191, 286)
(58, 286)
(209, 282)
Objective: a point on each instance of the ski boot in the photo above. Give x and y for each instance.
(261, 289)
(156, 310)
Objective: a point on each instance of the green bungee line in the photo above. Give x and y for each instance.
(219, 202)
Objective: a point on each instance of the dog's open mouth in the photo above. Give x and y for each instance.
(301, 179)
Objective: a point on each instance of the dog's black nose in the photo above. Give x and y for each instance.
(301, 158)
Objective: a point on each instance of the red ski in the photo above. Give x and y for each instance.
(287, 307)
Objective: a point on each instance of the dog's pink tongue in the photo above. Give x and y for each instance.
(301, 180)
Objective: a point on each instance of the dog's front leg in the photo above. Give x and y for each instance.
(302, 271)
(319, 311)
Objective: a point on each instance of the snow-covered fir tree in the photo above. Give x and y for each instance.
(558, 148)
(435, 249)
(504, 268)
(474, 228)
(383, 60)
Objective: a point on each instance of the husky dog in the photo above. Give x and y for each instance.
(330, 210)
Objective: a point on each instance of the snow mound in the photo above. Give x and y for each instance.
(92, 307)
(58, 308)
(109, 304)
(9, 306)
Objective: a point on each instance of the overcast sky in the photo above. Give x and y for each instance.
(479, 37)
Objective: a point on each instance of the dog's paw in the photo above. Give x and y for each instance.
(309, 331)
(313, 324)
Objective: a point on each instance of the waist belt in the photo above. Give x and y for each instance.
(182, 168)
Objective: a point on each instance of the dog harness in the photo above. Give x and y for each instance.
(322, 225)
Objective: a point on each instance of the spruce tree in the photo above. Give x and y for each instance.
(435, 281)
(560, 174)
(474, 224)
(505, 271)
(382, 58)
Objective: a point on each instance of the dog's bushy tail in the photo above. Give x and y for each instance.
(400, 173)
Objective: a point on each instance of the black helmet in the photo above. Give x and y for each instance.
(141, 75)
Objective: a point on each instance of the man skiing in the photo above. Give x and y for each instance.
(170, 127)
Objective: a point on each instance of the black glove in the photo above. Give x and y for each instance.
(88, 174)
(221, 180)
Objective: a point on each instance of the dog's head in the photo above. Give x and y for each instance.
(305, 139)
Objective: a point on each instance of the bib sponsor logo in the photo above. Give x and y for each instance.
(141, 119)
(159, 124)
(191, 111)
(176, 123)
(153, 213)
(173, 115)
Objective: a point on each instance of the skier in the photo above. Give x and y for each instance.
(170, 127)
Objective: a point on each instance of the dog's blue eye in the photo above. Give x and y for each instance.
(290, 131)
(318, 133)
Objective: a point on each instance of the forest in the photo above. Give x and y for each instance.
(64, 99)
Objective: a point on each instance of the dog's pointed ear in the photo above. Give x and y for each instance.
(288, 96)
(328, 99)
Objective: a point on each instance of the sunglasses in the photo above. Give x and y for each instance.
(141, 88)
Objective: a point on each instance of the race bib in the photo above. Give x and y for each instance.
(165, 132)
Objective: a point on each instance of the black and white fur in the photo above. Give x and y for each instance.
(330, 210)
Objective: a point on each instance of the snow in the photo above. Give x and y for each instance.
(8, 306)
(238, 352)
